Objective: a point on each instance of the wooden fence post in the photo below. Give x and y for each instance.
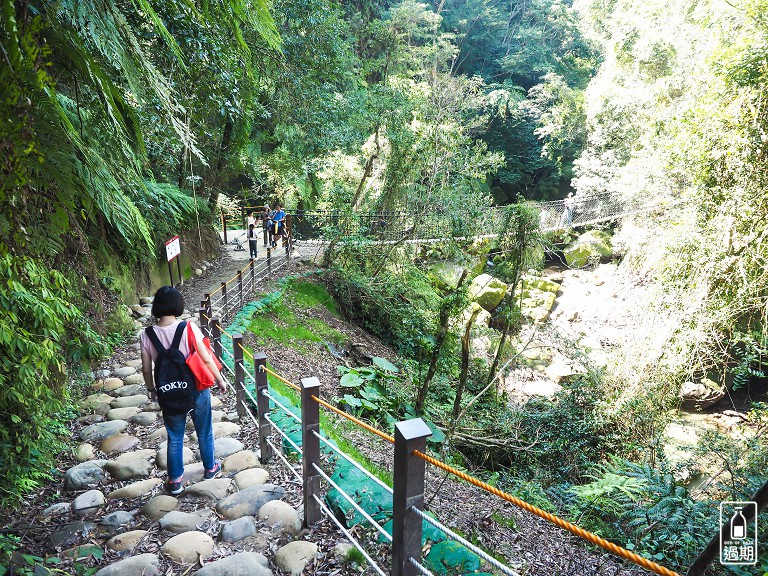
(224, 225)
(262, 404)
(310, 447)
(205, 326)
(237, 353)
(269, 261)
(216, 336)
(253, 276)
(408, 493)
(224, 300)
(240, 286)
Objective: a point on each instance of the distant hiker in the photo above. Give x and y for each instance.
(253, 241)
(166, 344)
(278, 221)
(567, 218)
(265, 222)
(251, 220)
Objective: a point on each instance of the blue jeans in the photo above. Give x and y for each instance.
(176, 425)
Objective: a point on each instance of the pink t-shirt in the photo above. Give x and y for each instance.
(165, 335)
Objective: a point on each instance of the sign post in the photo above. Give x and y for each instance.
(172, 250)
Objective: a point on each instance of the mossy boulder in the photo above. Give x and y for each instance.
(445, 275)
(594, 245)
(487, 291)
(534, 282)
(536, 305)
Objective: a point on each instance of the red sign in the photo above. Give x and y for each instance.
(172, 248)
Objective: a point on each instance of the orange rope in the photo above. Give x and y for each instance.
(245, 352)
(283, 380)
(580, 532)
(228, 281)
(360, 423)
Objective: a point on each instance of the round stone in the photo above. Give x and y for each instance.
(215, 402)
(224, 447)
(102, 430)
(119, 519)
(129, 468)
(237, 529)
(134, 363)
(93, 418)
(194, 472)
(141, 565)
(161, 459)
(141, 488)
(159, 434)
(294, 556)
(240, 461)
(125, 401)
(146, 300)
(240, 564)
(119, 443)
(126, 541)
(158, 506)
(217, 416)
(144, 418)
(85, 475)
(188, 548)
(221, 430)
(57, 509)
(281, 516)
(124, 371)
(122, 413)
(175, 521)
(95, 399)
(84, 452)
(135, 379)
(112, 384)
(249, 501)
(214, 489)
(251, 477)
(131, 390)
(88, 502)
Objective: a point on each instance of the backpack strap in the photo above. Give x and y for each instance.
(159, 348)
(177, 336)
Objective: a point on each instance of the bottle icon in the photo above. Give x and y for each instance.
(738, 525)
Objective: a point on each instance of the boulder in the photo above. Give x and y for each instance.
(483, 317)
(130, 390)
(175, 521)
(57, 509)
(118, 442)
(88, 503)
(129, 468)
(214, 489)
(141, 565)
(696, 396)
(71, 534)
(280, 515)
(294, 556)
(251, 477)
(240, 564)
(140, 488)
(118, 519)
(85, 475)
(102, 430)
(592, 246)
(84, 452)
(161, 458)
(248, 502)
(122, 413)
(144, 418)
(536, 305)
(224, 447)
(240, 461)
(126, 541)
(237, 530)
(126, 401)
(487, 291)
(158, 506)
(537, 283)
(188, 548)
(123, 371)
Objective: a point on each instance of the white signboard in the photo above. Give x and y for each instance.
(173, 248)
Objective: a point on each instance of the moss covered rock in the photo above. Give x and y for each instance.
(487, 291)
(594, 245)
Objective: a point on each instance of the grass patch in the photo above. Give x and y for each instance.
(281, 326)
(309, 295)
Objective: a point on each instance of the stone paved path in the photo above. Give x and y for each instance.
(237, 524)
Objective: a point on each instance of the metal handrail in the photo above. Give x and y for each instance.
(349, 459)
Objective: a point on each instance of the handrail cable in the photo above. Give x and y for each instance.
(564, 524)
(352, 461)
(279, 454)
(451, 534)
(285, 409)
(246, 372)
(227, 282)
(355, 505)
(283, 380)
(360, 423)
(419, 567)
(283, 434)
(349, 536)
(248, 393)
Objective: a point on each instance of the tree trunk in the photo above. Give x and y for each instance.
(221, 162)
(445, 317)
(463, 375)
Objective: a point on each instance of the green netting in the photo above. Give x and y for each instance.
(450, 557)
(428, 532)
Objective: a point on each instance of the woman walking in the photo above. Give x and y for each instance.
(179, 397)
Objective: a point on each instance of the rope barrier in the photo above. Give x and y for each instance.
(564, 524)
(419, 567)
(227, 282)
(355, 505)
(288, 465)
(291, 414)
(246, 352)
(387, 437)
(349, 536)
(284, 435)
(283, 380)
(451, 534)
(351, 461)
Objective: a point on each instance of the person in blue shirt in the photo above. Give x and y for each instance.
(278, 223)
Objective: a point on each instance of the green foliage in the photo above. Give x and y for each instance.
(309, 295)
(374, 392)
(749, 349)
(41, 331)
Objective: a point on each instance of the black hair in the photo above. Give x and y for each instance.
(168, 302)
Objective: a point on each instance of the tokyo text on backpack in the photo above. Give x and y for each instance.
(174, 382)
